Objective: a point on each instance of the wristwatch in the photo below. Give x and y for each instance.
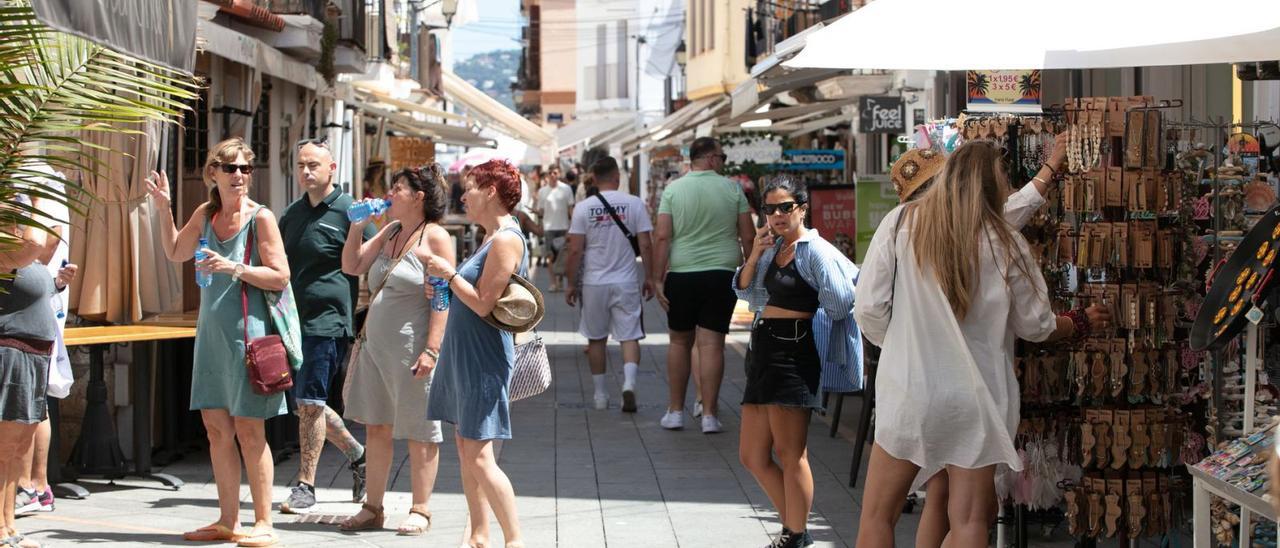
(237, 272)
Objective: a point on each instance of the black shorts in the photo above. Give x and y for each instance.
(785, 368)
(700, 299)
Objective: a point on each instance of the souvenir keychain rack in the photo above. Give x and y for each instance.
(1205, 484)
(1118, 187)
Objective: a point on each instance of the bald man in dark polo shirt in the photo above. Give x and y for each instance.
(314, 229)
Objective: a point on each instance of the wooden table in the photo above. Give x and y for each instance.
(97, 451)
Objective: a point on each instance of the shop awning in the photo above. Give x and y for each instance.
(370, 95)
(789, 116)
(162, 32)
(588, 132)
(502, 118)
(249, 51)
(440, 133)
(676, 125)
(770, 77)
(1017, 34)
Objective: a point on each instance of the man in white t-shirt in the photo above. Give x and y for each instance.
(613, 282)
(556, 202)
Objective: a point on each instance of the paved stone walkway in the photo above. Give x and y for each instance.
(584, 478)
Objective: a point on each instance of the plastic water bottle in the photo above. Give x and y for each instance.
(440, 302)
(364, 209)
(57, 299)
(203, 277)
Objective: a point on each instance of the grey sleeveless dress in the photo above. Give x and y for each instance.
(27, 332)
(383, 389)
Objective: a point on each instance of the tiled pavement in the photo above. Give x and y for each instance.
(584, 478)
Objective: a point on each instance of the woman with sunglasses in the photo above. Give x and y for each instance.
(232, 412)
(799, 284)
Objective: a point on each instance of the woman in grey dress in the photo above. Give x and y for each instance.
(391, 376)
(476, 358)
(27, 334)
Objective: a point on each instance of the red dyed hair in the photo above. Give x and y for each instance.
(503, 177)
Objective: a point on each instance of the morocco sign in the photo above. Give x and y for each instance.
(159, 31)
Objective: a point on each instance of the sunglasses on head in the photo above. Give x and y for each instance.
(231, 168)
(784, 207)
(322, 142)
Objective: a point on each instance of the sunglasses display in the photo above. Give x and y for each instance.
(784, 207)
(231, 168)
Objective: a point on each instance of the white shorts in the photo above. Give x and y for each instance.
(613, 309)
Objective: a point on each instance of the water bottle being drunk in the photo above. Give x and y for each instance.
(440, 302)
(364, 209)
(203, 277)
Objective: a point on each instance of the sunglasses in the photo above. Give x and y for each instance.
(322, 142)
(784, 207)
(231, 168)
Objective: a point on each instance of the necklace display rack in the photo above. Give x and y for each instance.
(1104, 427)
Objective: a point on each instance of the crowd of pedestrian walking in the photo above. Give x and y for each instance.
(949, 260)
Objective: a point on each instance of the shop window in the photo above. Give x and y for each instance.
(261, 127)
(195, 130)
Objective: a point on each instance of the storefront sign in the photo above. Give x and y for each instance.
(760, 149)
(411, 152)
(833, 210)
(1003, 90)
(160, 31)
(819, 159)
(876, 199)
(882, 115)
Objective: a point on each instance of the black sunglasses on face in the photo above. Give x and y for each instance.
(784, 207)
(231, 168)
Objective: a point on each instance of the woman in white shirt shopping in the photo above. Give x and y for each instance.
(965, 286)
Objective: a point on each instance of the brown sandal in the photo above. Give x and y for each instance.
(414, 531)
(376, 522)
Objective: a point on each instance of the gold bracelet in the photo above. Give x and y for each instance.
(1042, 181)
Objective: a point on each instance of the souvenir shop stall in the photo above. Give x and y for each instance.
(1157, 427)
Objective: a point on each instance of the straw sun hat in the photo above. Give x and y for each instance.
(915, 168)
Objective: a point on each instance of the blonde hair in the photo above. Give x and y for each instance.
(221, 153)
(965, 203)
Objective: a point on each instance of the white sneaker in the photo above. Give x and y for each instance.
(673, 420)
(697, 409)
(711, 425)
(602, 402)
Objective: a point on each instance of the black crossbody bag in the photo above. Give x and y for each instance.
(631, 238)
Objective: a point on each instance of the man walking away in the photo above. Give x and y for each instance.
(704, 230)
(613, 228)
(556, 202)
(314, 229)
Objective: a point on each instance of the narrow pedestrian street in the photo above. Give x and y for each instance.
(584, 478)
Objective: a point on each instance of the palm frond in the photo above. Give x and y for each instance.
(56, 88)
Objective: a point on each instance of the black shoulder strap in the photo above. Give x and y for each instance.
(635, 243)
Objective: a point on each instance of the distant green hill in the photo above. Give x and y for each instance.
(492, 73)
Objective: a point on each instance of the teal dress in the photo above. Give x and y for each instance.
(219, 379)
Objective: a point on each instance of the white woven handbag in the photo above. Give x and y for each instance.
(532, 372)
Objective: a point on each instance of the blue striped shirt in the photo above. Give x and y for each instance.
(836, 332)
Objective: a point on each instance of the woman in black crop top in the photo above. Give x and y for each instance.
(790, 263)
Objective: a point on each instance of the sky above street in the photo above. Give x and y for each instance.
(497, 29)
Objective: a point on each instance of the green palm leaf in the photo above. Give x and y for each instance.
(55, 87)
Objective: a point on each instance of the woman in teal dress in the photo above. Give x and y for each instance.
(219, 383)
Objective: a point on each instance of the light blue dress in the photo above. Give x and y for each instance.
(219, 379)
(470, 386)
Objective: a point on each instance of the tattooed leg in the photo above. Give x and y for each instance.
(340, 437)
(311, 434)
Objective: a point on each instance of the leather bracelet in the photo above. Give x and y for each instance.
(1051, 170)
(449, 282)
(1081, 322)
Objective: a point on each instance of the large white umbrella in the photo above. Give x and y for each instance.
(1042, 34)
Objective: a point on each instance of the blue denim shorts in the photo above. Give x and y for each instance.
(322, 360)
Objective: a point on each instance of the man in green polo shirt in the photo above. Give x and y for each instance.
(314, 229)
(704, 230)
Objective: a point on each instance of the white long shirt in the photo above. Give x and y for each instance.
(946, 393)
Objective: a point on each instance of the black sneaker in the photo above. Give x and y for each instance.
(791, 539)
(357, 480)
(301, 500)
